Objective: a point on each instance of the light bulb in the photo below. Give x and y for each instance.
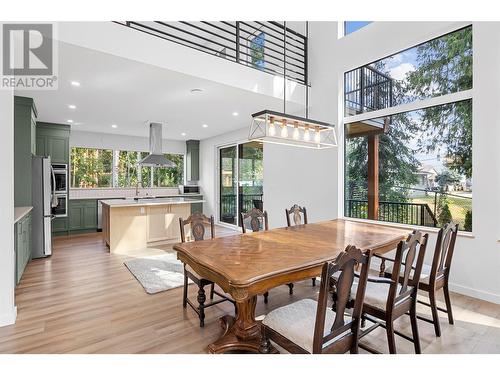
(317, 137)
(306, 135)
(284, 131)
(296, 133)
(272, 129)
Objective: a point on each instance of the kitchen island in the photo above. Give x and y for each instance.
(134, 224)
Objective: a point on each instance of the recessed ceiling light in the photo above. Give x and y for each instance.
(235, 113)
(70, 121)
(205, 125)
(196, 91)
(75, 83)
(183, 134)
(114, 126)
(72, 106)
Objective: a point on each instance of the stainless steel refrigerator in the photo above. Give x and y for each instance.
(42, 195)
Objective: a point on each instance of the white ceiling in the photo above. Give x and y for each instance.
(114, 90)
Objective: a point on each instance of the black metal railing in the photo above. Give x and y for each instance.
(367, 89)
(246, 201)
(266, 46)
(396, 212)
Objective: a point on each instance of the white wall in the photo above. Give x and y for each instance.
(7, 307)
(121, 142)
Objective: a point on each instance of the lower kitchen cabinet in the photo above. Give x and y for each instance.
(60, 226)
(163, 221)
(22, 236)
(82, 215)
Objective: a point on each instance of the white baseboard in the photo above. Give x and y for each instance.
(480, 294)
(8, 318)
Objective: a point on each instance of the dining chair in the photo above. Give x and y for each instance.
(257, 220)
(198, 223)
(309, 326)
(299, 215)
(436, 276)
(387, 299)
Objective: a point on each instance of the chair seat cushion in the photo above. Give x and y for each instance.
(296, 322)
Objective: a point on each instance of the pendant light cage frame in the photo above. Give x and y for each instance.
(275, 127)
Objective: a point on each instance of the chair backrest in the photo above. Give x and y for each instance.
(298, 213)
(443, 253)
(197, 222)
(408, 253)
(255, 219)
(345, 334)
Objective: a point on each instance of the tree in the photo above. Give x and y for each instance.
(444, 216)
(445, 66)
(468, 221)
(447, 177)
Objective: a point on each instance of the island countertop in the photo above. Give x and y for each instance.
(150, 202)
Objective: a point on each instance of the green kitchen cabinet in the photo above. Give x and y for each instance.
(24, 146)
(82, 215)
(22, 240)
(192, 160)
(53, 140)
(60, 226)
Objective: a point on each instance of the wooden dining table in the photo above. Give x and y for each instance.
(246, 265)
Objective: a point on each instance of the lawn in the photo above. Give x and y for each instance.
(458, 207)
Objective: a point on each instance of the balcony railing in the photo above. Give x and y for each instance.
(395, 212)
(367, 89)
(247, 202)
(265, 46)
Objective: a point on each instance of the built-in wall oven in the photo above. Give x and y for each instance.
(60, 178)
(61, 210)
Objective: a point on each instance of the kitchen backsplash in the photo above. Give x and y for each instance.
(102, 193)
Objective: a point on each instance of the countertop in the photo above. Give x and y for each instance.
(150, 202)
(20, 212)
(142, 196)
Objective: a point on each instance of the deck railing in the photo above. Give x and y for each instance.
(396, 212)
(256, 44)
(247, 202)
(367, 89)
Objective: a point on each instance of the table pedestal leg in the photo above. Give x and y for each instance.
(242, 333)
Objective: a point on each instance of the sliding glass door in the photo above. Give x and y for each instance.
(241, 180)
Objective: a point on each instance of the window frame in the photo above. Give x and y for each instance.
(417, 104)
(114, 174)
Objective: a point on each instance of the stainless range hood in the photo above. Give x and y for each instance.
(156, 157)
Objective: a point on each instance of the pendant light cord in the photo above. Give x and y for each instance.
(284, 67)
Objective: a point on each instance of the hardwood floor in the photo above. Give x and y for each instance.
(84, 300)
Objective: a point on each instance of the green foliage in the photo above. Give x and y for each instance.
(92, 168)
(443, 211)
(468, 221)
(447, 177)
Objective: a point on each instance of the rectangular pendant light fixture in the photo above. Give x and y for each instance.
(275, 127)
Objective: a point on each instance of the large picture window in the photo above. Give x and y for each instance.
(93, 168)
(413, 167)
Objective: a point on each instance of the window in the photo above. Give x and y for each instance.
(170, 177)
(257, 51)
(434, 68)
(413, 167)
(352, 26)
(91, 168)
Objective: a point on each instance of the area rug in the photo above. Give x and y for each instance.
(157, 273)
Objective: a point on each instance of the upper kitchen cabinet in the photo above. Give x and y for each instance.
(53, 140)
(25, 114)
(192, 160)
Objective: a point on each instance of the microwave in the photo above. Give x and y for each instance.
(189, 189)
(60, 178)
(61, 210)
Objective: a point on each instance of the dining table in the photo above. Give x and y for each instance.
(247, 265)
